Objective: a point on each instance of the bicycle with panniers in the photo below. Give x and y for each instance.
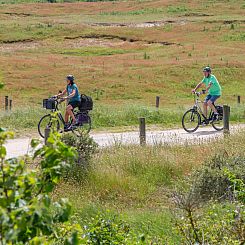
(55, 118)
(194, 117)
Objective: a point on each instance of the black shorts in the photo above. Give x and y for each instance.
(74, 104)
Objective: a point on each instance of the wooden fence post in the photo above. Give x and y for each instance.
(142, 131)
(226, 118)
(46, 134)
(238, 99)
(157, 101)
(6, 102)
(10, 105)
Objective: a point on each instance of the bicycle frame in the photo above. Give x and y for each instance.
(197, 108)
(60, 116)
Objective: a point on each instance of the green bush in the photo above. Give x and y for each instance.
(212, 182)
(85, 147)
(103, 230)
(200, 220)
(213, 224)
(27, 213)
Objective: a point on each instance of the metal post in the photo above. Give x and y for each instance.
(142, 131)
(226, 118)
(238, 99)
(10, 105)
(46, 135)
(6, 102)
(157, 101)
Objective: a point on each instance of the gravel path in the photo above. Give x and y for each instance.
(21, 146)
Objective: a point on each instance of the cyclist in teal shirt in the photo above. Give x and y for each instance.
(214, 91)
(73, 98)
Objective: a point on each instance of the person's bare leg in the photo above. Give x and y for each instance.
(66, 117)
(210, 104)
(205, 109)
(70, 113)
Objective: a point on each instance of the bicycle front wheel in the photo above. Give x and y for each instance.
(46, 121)
(191, 121)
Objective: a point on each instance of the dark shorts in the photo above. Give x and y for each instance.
(74, 104)
(212, 98)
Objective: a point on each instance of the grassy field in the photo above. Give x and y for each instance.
(125, 117)
(136, 183)
(122, 53)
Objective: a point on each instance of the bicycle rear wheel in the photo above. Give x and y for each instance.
(46, 121)
(218, 123)
(191, 121)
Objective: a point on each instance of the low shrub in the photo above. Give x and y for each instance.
(200, 216)
(104, 230)
(212, 182)
(85, 147)
(213, 224)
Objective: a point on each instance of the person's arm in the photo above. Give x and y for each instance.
(71, 95)
(197, 87)
(61, 94)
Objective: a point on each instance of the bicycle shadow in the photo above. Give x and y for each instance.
(207, 132)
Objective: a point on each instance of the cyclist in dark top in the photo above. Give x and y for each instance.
(73, 98)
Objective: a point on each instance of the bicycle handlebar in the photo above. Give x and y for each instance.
(200, 93)
(57, 99)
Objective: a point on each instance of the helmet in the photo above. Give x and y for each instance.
(70, 78)
(207, 69)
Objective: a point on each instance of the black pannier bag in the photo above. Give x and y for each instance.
(86, 103)
(49, 104)
(219, 109)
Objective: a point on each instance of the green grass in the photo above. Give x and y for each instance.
(110, 116)
(16, 32)
(177, 9)
(148, 222)
(128, 115)
(136, 12)
(237, 36)
(136, 182)
(102, 117)
(19, 119)
(132, 182)
(157, 225)
(93, 51)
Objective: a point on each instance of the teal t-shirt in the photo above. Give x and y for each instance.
(69, 90)
(215, 88)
